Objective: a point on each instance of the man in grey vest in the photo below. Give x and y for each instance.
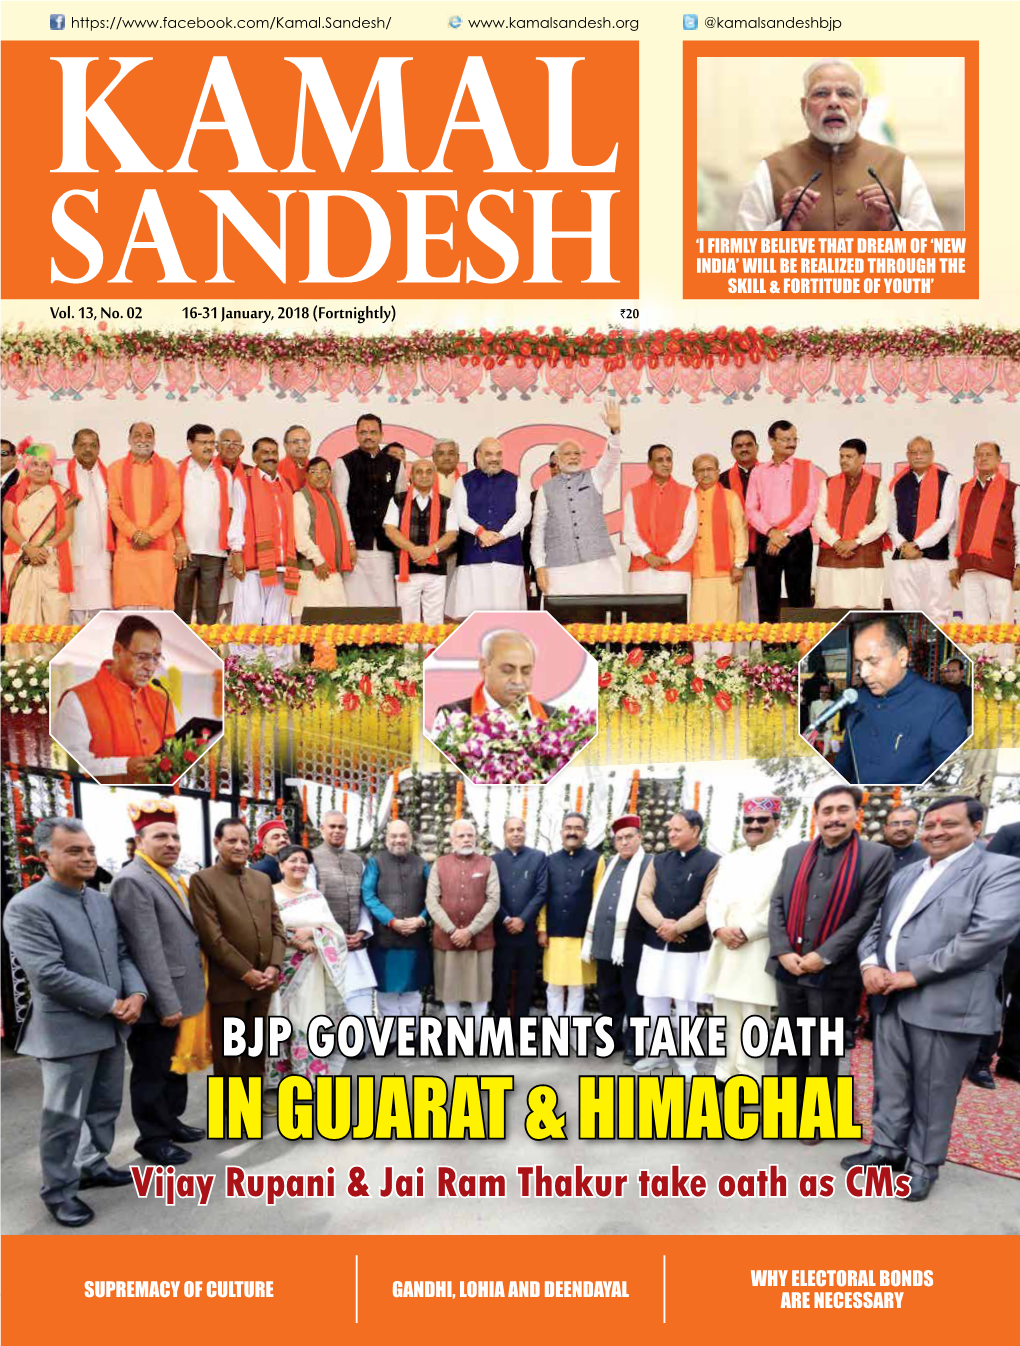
(86, 994)
(393, 890)
(340, 874)
(570, 544)
(931, 961)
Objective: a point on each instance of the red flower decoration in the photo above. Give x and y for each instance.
(390, 706)
(190, 756)
(672, 695)
(697, 686)
(650, 679)
(723, 701)
(365, 683)
(723, 662)
(631, 706)
(605, 679)
(684, 659)
(165, 764)
(350, 701)
(635, 658)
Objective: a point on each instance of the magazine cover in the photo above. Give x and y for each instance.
(510, 687)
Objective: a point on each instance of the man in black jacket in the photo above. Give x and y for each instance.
(523, 886)
(372, 478)
(825, 898)
(899, 831)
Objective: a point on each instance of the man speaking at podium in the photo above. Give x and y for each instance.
(114, 724)
(834, 178)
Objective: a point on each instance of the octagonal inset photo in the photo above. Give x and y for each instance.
(886, 698)
(136, 698)
(510, 698)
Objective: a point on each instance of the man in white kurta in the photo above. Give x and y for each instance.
(91, 560)
(492, 508)
(919, 570)
(446, 460)
(851, 574)
(737, 912)
(570, 544)
(257, 604)
(659, 512)
(421, 586)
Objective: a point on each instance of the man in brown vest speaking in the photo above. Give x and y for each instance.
(823, 181)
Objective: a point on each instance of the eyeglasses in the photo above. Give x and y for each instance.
(149, 659)
(761, 821)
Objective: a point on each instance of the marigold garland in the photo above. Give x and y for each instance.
(616, 346)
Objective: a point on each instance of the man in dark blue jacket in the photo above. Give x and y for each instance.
(902, 727)
(564, 919)
(523, 884)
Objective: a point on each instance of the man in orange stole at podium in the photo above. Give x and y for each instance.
(145, 503)
(658, 529)
(114, 724)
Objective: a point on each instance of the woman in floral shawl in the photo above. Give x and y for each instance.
(312, 978)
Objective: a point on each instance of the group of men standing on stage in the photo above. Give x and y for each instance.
(768, 926)
(224, 540)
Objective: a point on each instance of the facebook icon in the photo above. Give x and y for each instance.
(690, 21)
(57, 22)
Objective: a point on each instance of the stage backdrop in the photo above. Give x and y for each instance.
(954, 400)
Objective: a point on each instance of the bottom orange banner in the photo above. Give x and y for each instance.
(162, 1291)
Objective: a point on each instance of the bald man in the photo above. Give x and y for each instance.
(493, 508)
(507, 665)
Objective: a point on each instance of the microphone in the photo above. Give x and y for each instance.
(155, 682)
(790, 213)
(849, 698)
(888, 198)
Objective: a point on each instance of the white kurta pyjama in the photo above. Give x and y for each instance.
(91, 563)
(587, 577)
(923, 585)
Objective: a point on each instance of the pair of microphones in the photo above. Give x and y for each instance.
(814, 178)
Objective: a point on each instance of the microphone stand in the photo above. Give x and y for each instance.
(888, 199)
(793, 209)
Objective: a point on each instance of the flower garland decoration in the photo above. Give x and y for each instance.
(497, 748)
(25, 685)
(636, 680)
(997, 682)
(616, 346)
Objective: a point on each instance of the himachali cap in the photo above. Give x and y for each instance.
(268, 827)
(159, 811)
(767, 804)
(628, 820)
(29, 449)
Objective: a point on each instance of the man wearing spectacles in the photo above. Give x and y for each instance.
(114, 724)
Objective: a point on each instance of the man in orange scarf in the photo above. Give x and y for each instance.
(720, 549)
(297, 449)
(114, 724)
(924, 504)
(85, 477)
(263, 559)
(145, 503)
(417, 522)
(659, 523)
(851, 519)
(507, 666)
(987, 550)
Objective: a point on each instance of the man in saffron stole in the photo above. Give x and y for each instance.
(114, 724)
(825, 899)
(37, 558)
(417, 523)
(720, 549)
(262, 555)
(323, 540)
(86, 479)
(851, 520)
(987, 547)
(145, 503)
(925, 499)
(658, 529)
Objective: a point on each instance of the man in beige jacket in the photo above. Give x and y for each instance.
(737, 910)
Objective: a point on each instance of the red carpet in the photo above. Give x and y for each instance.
(986, 1128)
